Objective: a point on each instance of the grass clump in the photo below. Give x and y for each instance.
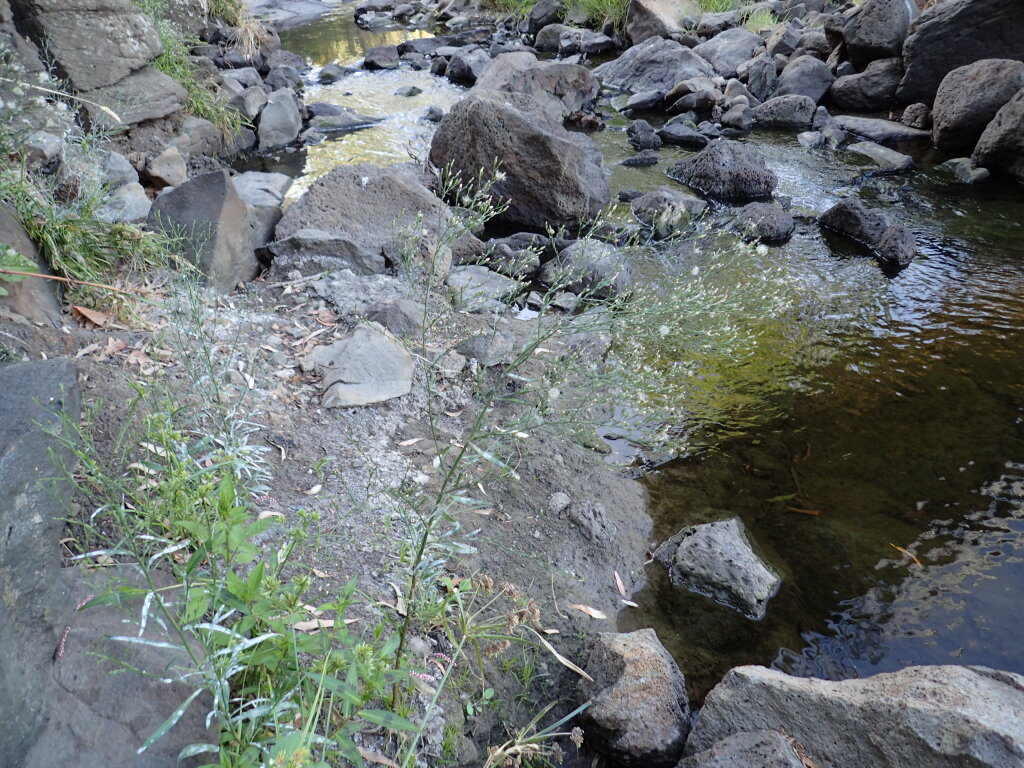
(598, 12)
(761, 20)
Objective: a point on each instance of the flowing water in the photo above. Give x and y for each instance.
(880, 466)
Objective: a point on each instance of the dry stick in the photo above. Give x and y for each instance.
(66, 280)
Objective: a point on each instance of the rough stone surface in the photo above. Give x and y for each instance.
(897, 246)
(213, 219)
(872, 90)
(717, 560)
(315, 250)
(954, 33)
(263, 194)
(1001, 146)
(167, 169)
(543, 12)
(969, 98)
(488, 349)
(940, 717)
(478, 289)
(381, 57)
(881, 131)
(372, 212)
(639, 714)
(917, 116)
(679, 135)
(764, 221)
(589, 266)
(33, 298)
(852, 218)
(71, 29)
(666, 210)
(805, 76)
(144, 95)
(402, 317)
(467, 65)
(366, 365)
(659, 18)
(753, 749)
(726, 170)
(127, 203)
(34, 397)
(878, 30)
(551, 176)
(656, 64)
(963, 170)
(280, 120)
(794, 111)
(726, 51)
(566, 87)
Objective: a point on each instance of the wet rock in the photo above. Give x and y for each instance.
(811, 139)
(964, 170)
(478, 289)
(764, 221)
(33, 298)
(887, 160)
(213, 219)
(550, 176)
(666, 211)
(563, 87)
(409, 91)
(645, 140)
(467, 65)
(342, 120)
(717, 560)
(381, 57)
(917, 116)
(167, 169)
(589, 266)
(785, 112)
(679, 135)
(1001, 146)
(726, 170)
(433, 114)
(263, 194)
(877, 31)
(332, 73)
(942, 717)
(128, 203)
(639, 712)
(659, 18)
(280, 120)
(871, 90)
(805, 76)
(69, 31)
(897, 246)
(881, 131)
(852, 218)
(643, 159)
(656, 64)
(489, 349)
(726, 51)
(748, 749)
(367, 365)
(378, 210)
(35, 397)
(969, 98)
(952, 34)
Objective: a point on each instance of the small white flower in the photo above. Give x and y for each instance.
(762, 250)
(695, 271)
(664, 331)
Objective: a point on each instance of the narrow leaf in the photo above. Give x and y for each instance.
(170, 721)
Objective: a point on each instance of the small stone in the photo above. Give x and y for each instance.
(167, 169)
(558, 502)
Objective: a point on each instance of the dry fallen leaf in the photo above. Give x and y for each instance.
(453, 414)
(559, 657)
(410, 441)
(630, 603)
(487, 511)
(313, 625)
(619, 585)
(93, 316)
(591, 612)
(269, 513)
(314, 490)
(320, 574)
(399, 599)
(373, 757)
(87, 350)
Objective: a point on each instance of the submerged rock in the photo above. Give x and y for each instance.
(716, 560)
(639, 713)
(940, 717)
(364, 366)
(893, 243)
(726, 170)
(881, 131)
(887, 160)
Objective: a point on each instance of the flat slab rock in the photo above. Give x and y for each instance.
(881, 131)
(365, 366)
(717, 560)
(938, 716)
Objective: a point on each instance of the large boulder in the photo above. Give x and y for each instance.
(476, 288)
(656, 64)
(940, 717)
(805, 76)
(35, 398)
(375, 213)
(659, 18)
(748, 749)
(548, 175)
(954, 33)
(71, 30)
(211, 217)
(726, 51)
(1001, 146)
(877, 30)
(872, 90)
(726, 170)
(794, 111)
(33, 298)
(717, 560)
(263, 194)
(969, 98)
(145, 95)
(367, 365)
(567, 87)
(280, 120)
(639, 712)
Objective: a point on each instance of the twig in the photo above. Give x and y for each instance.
(66, 280)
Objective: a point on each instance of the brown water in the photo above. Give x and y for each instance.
(867, 461)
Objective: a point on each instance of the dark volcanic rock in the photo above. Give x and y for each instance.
(764, 221)
(726, 51)
(1001, 146)
(872, 90)
(969, 98)
(877, 31)
(656, 64)
(805, 76)
(726, 170)
(785, 112)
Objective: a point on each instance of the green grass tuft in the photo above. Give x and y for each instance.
(600, 11)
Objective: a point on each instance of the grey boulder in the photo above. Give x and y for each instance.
(870, 90)
(763, 221)
(879, 130)
(280, 120)
(367, 365)
(969, 98)
(476, 288)
(795, 111)
(589, 266)
(726, 170)
(639, 712)
(887, 160)
(805, 76)
(666, 211)
(562, 86)
(716, 560)
(748, 749)
(263, 194)
(877, 31)
(1001, 146)
(727, 50)
(659, 18)
(33, 298)
(940, 717)
(656, 64)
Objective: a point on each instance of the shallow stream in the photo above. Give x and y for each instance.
(879, 463)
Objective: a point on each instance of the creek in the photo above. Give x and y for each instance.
(875, 450)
